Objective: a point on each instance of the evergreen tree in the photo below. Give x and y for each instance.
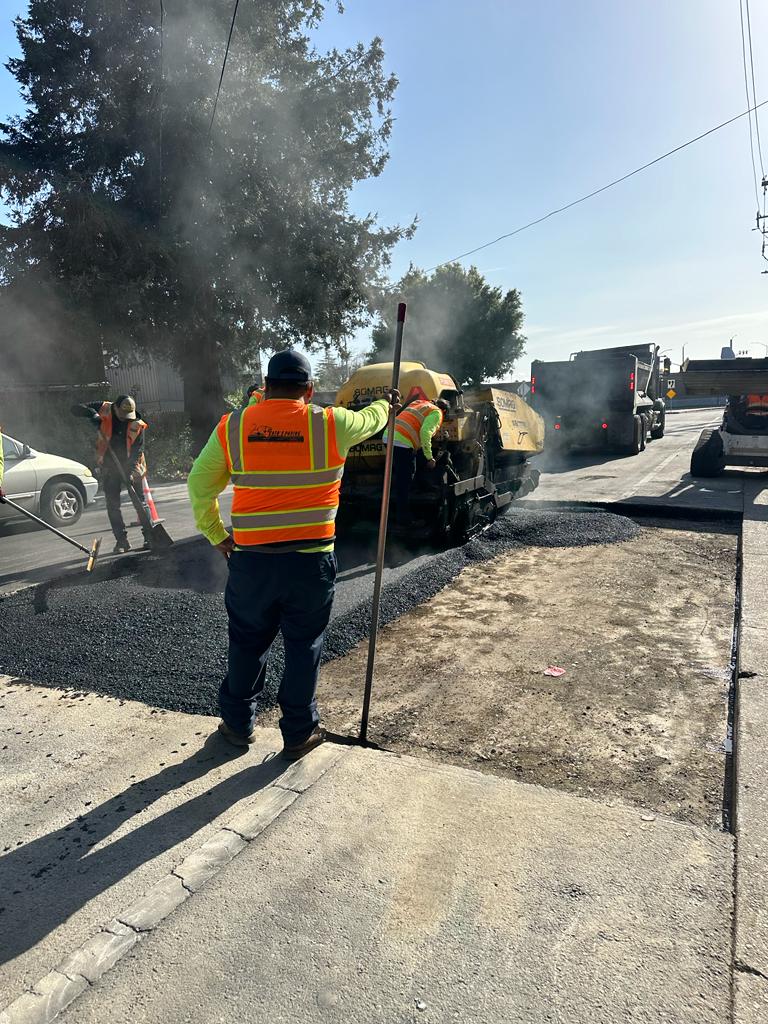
(162, 234)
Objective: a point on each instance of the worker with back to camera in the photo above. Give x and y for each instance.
(415, 426)
(120, 427)
(285, 458)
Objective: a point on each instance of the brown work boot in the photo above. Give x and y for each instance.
(237, 739)
(295, 753)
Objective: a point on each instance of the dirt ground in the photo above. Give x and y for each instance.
(643, 630)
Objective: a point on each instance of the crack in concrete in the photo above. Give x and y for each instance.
(139, 931)
(290, 789)
(75, 976)
(184, 885)
(228, 828)
(743, 968)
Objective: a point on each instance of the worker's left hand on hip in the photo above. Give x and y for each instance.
(2, 495)
(431, 463)
(226, 547)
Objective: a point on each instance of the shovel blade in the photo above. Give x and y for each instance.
(159, 538)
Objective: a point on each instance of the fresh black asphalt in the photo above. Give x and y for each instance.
(153, 628)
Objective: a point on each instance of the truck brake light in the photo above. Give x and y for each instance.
(533, 385)
(604, 426)
(557, 426)
(631, 382)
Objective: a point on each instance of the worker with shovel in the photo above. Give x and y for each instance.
(119, 427)
(285, 458)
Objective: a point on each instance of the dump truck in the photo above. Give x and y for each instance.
(741, 439)
(604, 398)
(482, 450)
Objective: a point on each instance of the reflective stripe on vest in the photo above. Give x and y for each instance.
(286, 470)
(410, 421)
(104, 436)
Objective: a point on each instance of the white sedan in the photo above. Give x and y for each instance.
(52, 487)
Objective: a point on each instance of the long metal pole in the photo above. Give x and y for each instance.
(382, 529)
(42, 522)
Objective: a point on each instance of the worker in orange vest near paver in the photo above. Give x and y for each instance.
(120, 427)
(285, 458)
(415, 426)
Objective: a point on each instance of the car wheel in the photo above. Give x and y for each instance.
(61, 503)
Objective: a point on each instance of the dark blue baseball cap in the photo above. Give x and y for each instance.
(290, 366)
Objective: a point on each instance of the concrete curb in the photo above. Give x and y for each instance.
(84, 966)
(750, 933)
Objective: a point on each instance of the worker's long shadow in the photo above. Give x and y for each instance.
(46, 881)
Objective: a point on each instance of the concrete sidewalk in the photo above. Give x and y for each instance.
(751, 745)
(99, 799)
(387, 890)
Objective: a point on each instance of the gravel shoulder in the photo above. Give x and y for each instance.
(643, 629)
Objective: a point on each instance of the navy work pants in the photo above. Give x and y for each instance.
(403, 472)
(291, 593)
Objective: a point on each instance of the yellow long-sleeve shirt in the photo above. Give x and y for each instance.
(209, 475)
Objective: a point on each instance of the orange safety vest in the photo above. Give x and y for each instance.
(286, 470)
(757, 405)
(132, 431)
(410, 421)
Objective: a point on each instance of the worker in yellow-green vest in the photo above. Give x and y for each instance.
(415, 426)
(285, 458)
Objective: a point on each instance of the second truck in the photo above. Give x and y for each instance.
(606, 398)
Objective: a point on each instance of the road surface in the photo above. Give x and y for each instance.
(660, 474)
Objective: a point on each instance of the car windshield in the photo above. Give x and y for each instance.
(12, 449)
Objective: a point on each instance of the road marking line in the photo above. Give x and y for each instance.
(654, 472)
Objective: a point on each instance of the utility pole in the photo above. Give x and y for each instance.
(760, 220)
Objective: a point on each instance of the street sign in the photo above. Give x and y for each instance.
(671, 393)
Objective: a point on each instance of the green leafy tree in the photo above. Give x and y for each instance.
(159, 233)
(456, 321)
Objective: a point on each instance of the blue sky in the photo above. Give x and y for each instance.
(506, 110)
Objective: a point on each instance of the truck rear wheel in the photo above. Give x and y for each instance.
(657, 431)
(636, 445)
(708, 457)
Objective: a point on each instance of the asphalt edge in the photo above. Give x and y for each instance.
(42, 1001)
(750, 920)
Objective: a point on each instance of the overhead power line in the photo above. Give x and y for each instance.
(754, 91)
(760, 219)
(750, 101)
(223, 67)
(598, 191)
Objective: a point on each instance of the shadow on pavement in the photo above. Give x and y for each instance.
(46, 881)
